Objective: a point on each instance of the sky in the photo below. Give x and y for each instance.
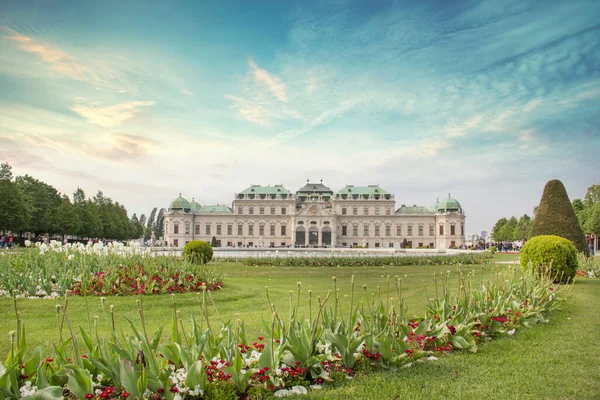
(483, 100)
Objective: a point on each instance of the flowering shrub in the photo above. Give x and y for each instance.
(296, 353)
(98, 270)
(461, 259)
(589, 266)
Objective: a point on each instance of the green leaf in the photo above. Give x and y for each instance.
(80, 381)
(49, 393)
(196, 375)
(129, 378)
(86, 339)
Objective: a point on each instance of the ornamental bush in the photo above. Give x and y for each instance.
(555, 216)
(197, 252)
(493, 249)
(551, 251)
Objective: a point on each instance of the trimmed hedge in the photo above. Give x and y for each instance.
(555, 216)
(553, 251)
(197, 252)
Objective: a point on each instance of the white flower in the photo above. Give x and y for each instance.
(28, 243)
(432, 358)
(511, 332)
(71, 257)
(27, 390)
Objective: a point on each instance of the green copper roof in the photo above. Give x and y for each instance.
(195, 206)
(216, 208)
(180, 203)
(314, 188)
(259, 189)
(414, 210)
(449, 204)
(361, 190)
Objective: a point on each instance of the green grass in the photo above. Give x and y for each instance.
(558, 360)
(506, 257)
(243, 293)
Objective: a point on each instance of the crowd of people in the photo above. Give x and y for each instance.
(7, 241)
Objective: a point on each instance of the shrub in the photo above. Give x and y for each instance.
(213, 242)
(551, 251)
(493, 249)
(197, 252)
(555, 216)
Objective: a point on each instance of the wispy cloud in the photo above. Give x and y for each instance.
(57, 59)
(273, 83)
(186, 91)
(110, 116)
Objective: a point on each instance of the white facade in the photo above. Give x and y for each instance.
(356, 216)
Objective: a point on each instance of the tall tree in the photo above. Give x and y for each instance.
(158, 230)
(5, 172)
(555, 216)
(43, 201)
(496, 231)
(14, 214)
(151, 219)
(67, 218)
(523, 228)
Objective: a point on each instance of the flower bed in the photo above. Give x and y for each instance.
(350, 261)
(98, 270)
(296, 354)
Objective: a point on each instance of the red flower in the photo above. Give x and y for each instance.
(125, 394)
(89, 396)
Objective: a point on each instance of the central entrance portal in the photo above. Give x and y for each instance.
(327, 236)
(313, 236)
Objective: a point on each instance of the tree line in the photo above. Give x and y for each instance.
(586, 210)
(31, 205)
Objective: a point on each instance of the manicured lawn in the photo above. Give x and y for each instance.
(558, 360)
(243, 292)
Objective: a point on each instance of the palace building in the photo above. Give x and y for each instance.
(315, 216)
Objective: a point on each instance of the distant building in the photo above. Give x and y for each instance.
(315, 216)
(483, 236)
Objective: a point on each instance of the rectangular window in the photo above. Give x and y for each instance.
(441, 229)
(175, 228)
(283, 211)
(272, 210)
(398, 230)
(261, 211)
(377, 211)
(420, 244)
(229, 230)
(462, 230)
(343, 210)
(431, 245)
(431, 228)
(453, 244)
(366, 230)
(250, 210)
(187, 229)
(355, 230)
(219, 229)
(387, 211)
(409, 244)
(376, 230)
(240, 210)
(283, 229)
(452, 230)
(409, 230)
(176, 243)
(388, 230)
(355, 211)
(366, 211)
(344, 230)
(261, 230)
(240, 230)
(208, 229)
(272, 230)
(250, 230)
(197, 229)
(421, 231)
(377, 244)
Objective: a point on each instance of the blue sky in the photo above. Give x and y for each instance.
(486, 100)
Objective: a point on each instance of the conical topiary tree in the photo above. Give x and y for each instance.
(555, 216)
